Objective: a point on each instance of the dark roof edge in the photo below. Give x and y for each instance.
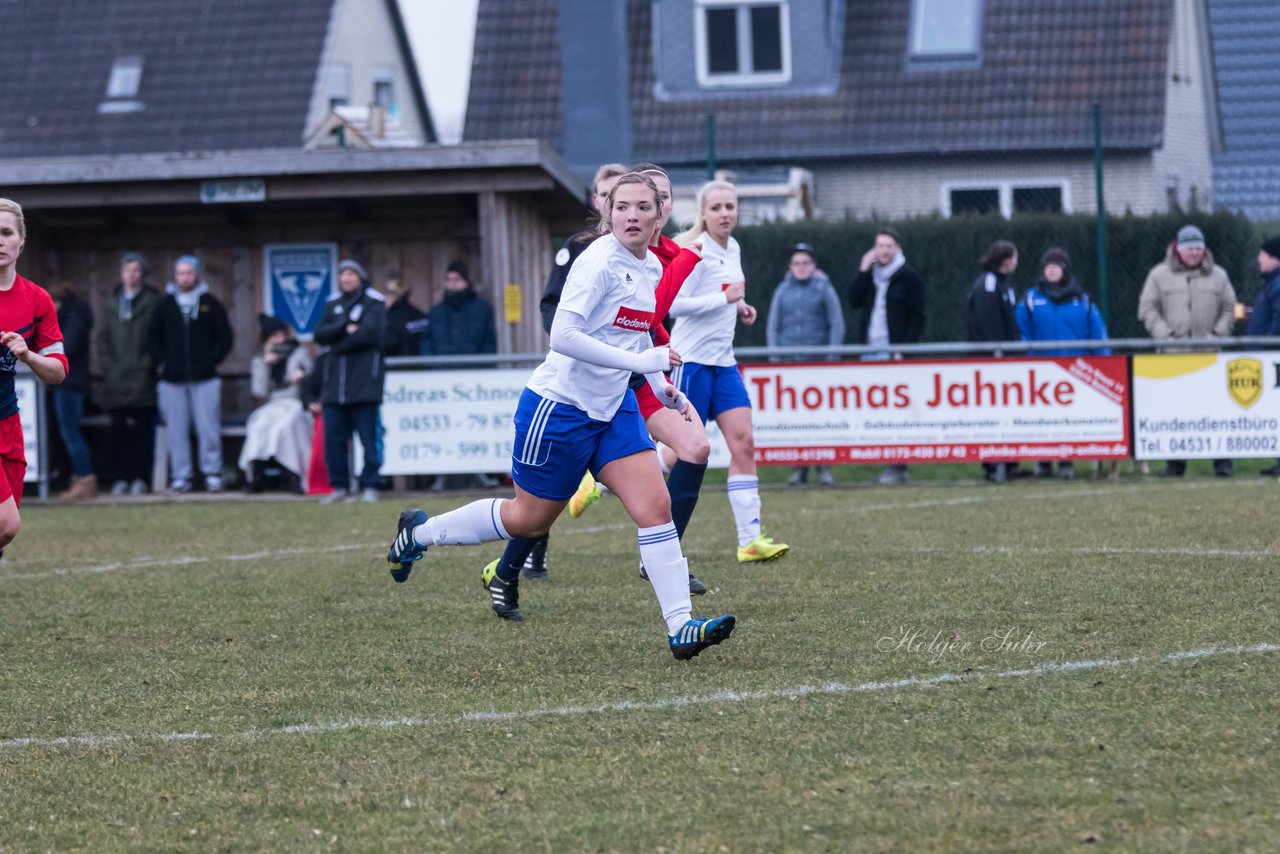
(415, 81)
(186, 166)
(907, 152)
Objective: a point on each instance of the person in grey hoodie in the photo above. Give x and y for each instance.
(805, 312)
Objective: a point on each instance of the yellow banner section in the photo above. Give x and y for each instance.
(1162, 367)
(513, 303)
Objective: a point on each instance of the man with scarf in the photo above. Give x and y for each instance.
(352, 329)
(188, 338)
(1188, 296)
(891, 293)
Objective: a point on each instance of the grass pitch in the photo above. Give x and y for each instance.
(954, 666)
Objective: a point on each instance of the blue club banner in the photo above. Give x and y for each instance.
(298, 278)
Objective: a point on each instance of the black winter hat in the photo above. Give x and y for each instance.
(459, 268)
(1272, 247)
(1056, 255)
(269, 326)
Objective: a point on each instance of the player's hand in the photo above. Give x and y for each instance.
(674, 398)
(695, 247)
(747, 313)
(17, 345)
(674, 358)
(735, 292)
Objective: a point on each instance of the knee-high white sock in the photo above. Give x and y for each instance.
(668, 572)
(744, 498)
(477, 522)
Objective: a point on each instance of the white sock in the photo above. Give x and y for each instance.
(744, 498)
(662, 458)
(668, 572)
(604, 490)
(477, 522)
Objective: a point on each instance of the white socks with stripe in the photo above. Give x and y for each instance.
(744, 498)
(668, 572)
(477, 522)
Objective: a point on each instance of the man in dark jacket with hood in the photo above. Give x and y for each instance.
(462, 323)
(1265, 317)
(128, 375)
(188, 338)
(353, 329)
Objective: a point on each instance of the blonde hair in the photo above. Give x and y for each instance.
(606, 218)
(605, 172)
(684, 238)
(10, 206)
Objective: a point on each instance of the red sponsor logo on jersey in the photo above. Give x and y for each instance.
(725, 286)
(634, 319)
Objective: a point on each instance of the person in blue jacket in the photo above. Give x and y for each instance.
(1058, 309)
(1265, 317)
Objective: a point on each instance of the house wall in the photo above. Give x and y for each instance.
(914, 186)
(362, 37)
(1183, 166)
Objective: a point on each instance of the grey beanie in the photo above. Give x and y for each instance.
(1190, 237)
(138, 258)
(354, 266)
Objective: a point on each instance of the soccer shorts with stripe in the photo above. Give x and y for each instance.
(713, 390)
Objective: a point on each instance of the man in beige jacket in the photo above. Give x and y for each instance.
(1188, 296)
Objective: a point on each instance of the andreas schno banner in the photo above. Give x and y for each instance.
(1206, 405)
(940, 411)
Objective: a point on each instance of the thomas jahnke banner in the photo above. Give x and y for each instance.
(1206, 405)
(940, 411)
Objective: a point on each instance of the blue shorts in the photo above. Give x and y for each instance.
(712, 390)
(556, 443)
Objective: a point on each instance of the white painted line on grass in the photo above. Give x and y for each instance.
(827, 688)
(1077, 550)
(189, 560)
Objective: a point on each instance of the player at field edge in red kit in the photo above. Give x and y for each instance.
(30, 334)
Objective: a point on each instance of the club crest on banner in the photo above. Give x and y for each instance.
(1244, 381)
(297, 280)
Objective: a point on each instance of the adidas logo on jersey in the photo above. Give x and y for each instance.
(630, 318)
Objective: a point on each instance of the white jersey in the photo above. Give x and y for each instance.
(705, 323)
(614, 291)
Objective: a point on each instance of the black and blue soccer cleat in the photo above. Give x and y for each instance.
(698, 634)
(405, 551)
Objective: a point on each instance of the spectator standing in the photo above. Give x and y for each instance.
(992, 317)
(405, 322)
(75, 318)
(128, 375)
(1058, 309)
(891, 295)
(461, 324)
(353, 329)
(278, 433)
(1265, 318)
(805, 312)
(188, 338)
(1188, 296)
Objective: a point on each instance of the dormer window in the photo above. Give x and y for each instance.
(742, 42)
(122, 86)
(946, 31)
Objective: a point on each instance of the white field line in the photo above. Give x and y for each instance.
(827, 688)
(1077, 550)
(189, 560)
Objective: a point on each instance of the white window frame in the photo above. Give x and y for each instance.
(1005, 190)
(918, 54)
(745, 59)
(125, 79)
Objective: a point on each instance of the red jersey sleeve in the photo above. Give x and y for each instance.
(46, 336)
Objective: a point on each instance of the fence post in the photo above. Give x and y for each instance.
(711, 146)
(1103, 302)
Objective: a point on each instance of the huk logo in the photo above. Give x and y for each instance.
(633, 319)
(1244, 381)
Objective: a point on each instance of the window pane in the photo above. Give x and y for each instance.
(766, 38)
(946, 28)
(126, 77)
(722, 41)
(982, 201)
(1037, 200)
(382, 93)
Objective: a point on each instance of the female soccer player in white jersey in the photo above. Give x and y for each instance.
(576, 414)
(707, 310)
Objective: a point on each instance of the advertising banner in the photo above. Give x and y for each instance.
(29, 402)
(297, 279)
(939, 411)
(1206, 405)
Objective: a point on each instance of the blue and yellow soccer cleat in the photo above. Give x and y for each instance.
(588, 493)
(698, 634)
(504, 596)
(405, 551)
(761, 548)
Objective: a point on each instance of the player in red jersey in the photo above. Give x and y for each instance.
(30, 334)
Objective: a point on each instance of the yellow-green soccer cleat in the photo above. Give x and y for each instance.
(504, 597)
(761, 548)
(588, 493)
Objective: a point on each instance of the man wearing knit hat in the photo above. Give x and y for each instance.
(1265, 318)
(1188, 296)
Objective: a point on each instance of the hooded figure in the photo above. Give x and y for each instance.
(462, 323)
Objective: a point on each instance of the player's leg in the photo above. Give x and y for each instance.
(744, 487)
(14, 465)
(688, 439)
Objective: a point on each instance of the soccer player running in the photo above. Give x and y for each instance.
(30, 334)
(578, 414)
(707, 310)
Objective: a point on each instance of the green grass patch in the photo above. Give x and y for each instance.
(239, 620)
